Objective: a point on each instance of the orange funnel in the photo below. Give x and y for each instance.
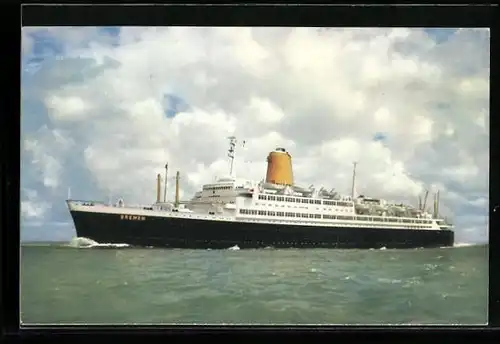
(279, 167)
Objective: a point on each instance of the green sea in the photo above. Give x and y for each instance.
(72, 284)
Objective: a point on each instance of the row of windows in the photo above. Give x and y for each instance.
(303, 200)
(339, 203)
(217, 188)
(329, 217)
(279, 213)
(289, 199)
(348, 210)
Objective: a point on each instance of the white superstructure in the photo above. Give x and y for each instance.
(254, 203)
(250, 201)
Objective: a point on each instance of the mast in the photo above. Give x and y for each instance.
(353, 179)
(425, 200)
(437, 204)
(177, 178)
(158, 188)
(165, 186)
(231, 152)
(434, 207)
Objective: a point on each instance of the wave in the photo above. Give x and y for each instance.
(465, 244)
(82, 242)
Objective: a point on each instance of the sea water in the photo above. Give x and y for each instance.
(84, 282)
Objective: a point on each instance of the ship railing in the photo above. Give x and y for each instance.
(202, 216)
(90, 203)
(444, 221)
(85, 202)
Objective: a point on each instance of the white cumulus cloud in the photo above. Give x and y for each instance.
(32, 207)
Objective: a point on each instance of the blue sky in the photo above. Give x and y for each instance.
(104, 108)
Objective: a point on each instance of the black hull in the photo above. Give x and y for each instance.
(201, 234)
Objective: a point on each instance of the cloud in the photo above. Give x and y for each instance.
(68, 108)
(32, 208)
(121, 103)
(45, 147)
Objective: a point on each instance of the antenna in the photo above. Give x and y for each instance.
(353, 179)
(231, 152)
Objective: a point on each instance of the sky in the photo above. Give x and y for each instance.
(103, 110)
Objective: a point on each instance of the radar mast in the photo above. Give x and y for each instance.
(231, 153)
(353, 187)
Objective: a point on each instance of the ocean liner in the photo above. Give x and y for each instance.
(271, 213)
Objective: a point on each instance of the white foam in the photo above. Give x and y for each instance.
(463, 244)
(383, 248)
(429, 267)
(82, 242)
(107, 245)
(387, 280)
(234, 248)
